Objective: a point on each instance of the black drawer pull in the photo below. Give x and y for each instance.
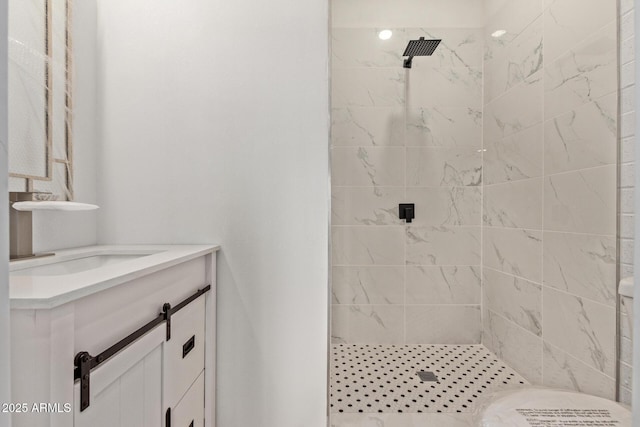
(192, 421)
(188, 346)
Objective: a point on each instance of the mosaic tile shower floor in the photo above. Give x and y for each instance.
(371, 378)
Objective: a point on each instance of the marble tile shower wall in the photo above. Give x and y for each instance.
(549, 206)
(409, 136)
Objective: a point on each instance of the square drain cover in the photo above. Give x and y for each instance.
(427, 376)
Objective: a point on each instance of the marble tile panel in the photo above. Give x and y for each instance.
(584, 329)
(626, 351)
(514, 17)
(515, 299)
(367, 87)
(367, 285)
(626, 396)
(339, 324)
(627, 125)
(628, 150)
(444, 127)
(517, 347)
(366, 205)
(626, 376)
(515, 111)
(626, 251)
(516, 204)
(371, 324)
(583, 138)
(627, 74)
(627, 200)
(627, 175)
(514, 251)
(444, 87)
(569, 22)
(368, 166)
(560, 370)
(626, 6)
(436, 206)
(627, 100)
(361, 47)
(443, 324)
(521, 59)
(437, 166)
(626, 318)
(627, 24)
(583, 265)
(583, 74)
(582, 202)
(364, 127)
(402, 420)
(627, 50)
(442, 245)
(442, 285)
(460, 47)
(516, 157)
(626, 270)
(367, 245)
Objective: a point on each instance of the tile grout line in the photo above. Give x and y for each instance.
(551, 287)
(580, 361)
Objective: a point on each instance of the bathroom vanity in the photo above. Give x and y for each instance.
(114, 336)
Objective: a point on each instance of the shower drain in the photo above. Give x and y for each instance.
(382, 378)
(427, 376)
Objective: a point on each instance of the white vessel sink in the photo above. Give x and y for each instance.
(59, 267)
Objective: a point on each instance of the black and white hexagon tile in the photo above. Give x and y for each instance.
(384, 378)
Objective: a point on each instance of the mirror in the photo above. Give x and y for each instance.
(40, 101)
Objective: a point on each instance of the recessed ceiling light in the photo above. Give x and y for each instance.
(499, 33)
(385, 34)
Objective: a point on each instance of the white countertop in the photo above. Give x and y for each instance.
(45, 292)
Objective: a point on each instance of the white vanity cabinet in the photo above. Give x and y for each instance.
(127, 390)
(162, 375)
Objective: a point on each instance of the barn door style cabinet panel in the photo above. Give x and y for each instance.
(130, 342)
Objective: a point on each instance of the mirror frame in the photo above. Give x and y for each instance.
(30, 180)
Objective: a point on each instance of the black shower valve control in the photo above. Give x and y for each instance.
(407, 211)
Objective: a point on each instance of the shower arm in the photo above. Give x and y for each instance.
(408, 62)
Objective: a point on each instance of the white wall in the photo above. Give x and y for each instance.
(5, 372)
(214, 124)
(56, 230)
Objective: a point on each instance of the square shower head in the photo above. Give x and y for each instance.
(421, 47)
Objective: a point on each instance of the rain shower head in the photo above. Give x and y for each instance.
(420, 47)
